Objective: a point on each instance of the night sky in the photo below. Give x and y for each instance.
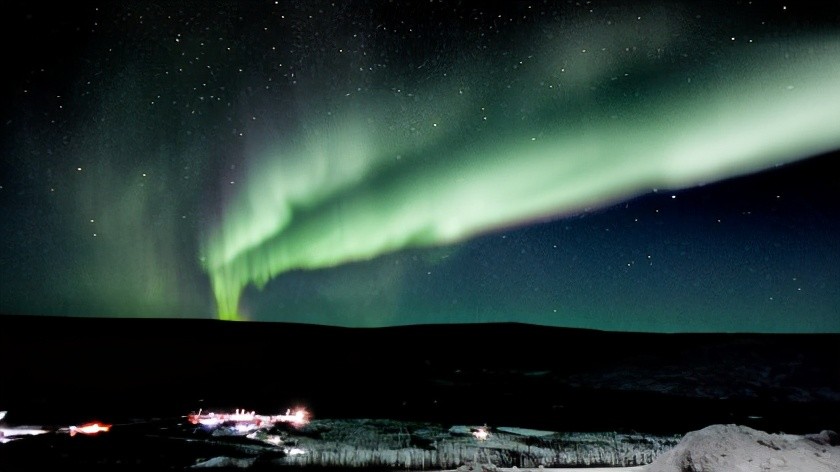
(637, 166)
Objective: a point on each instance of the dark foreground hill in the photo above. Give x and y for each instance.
(66, 370)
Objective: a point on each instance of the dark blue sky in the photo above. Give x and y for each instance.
(151, 148)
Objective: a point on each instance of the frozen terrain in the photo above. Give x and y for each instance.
(412, 398)
(732, 448)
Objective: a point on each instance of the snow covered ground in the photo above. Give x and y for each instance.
(388, 444)
(730, 448)
(587, 469)
(727, 448)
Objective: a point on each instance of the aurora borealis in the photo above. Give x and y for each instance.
(640, 167)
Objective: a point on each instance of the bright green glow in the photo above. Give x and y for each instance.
(343, 195)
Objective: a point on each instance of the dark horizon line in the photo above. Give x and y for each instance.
(17, 320)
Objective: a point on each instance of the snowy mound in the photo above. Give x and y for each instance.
(731, 448)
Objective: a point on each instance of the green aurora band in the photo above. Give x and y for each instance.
(396, 173)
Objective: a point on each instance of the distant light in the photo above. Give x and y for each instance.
(90, 428)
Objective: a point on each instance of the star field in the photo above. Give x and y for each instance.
(634, 166)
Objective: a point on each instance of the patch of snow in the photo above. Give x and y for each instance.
(463, 430)
(727, 448)
(224, 461)
(525, 431)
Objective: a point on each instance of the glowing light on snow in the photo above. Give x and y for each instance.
(90, 428)
(245, 427)
(481, 434)
(244, 421)
(10, 434)
(299, 417)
